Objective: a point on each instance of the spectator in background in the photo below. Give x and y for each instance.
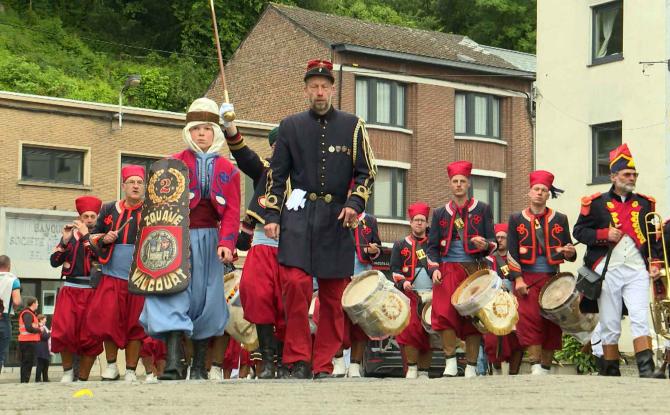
(43, 351)
(29, 336)
(10, 295)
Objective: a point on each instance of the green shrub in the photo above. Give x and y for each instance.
(572, 354)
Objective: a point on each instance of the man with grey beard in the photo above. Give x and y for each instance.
(326, 155)
(615, 221)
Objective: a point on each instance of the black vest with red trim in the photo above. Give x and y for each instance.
(75, 256)
(366, 233)
(530, 236)
(600, 211)
(112, 216)
(406, 257)
(476, 219)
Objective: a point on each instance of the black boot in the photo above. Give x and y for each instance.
(645, 363)
(266, 342)
(198, 371)
(175, 367)
(660, 373)
(301, 370)
(282, 370)
(610, 368)
(600, 365)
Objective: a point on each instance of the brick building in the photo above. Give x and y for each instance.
(55, 150)
(428, 98)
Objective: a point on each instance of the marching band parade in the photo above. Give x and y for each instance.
(155, 273)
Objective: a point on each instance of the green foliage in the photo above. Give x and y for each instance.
(46, 59)
(85, 49)
(572, 354)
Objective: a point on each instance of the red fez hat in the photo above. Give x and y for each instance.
(462, 167)
(88, 204)
(541, 177)
(319, 67)
(499, 227)
(418, 208)
(621, 158)
(545, 178)
(131, 170)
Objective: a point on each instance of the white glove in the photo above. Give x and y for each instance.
(226, 107)
(296, 200)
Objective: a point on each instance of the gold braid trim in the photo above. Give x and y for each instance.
(256, 216)
(364, 190)
(270, 199)
(237, 145)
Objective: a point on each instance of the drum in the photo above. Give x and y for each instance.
(425, 311)
(559, 302)
(481, 297)
(372, 302)
(435, 338)
(239, 328)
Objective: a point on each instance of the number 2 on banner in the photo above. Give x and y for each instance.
(165, 185)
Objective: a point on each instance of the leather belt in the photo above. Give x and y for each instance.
(81, 280)
(328, 198)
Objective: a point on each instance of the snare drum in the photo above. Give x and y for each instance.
(239, 328)
(481, 297)
(372, 302)
(559, 302)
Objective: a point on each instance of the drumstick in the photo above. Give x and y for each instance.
(124, 224)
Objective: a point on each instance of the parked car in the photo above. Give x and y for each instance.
(383, 358)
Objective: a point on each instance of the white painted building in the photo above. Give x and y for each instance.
(595, 91)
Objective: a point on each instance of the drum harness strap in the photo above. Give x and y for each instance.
(459, 229)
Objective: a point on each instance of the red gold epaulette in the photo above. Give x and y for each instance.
(651, 200)
(586, 203)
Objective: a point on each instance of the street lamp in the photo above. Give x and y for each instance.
(131, 81)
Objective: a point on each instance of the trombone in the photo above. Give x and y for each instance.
(660, 300)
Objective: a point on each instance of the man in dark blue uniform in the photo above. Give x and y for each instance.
(321, 150)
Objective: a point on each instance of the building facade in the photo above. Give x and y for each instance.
(595, 91)
(603, 79)
(428, 98)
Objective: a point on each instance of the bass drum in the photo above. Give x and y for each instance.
(372, 302)
(238, 328)
(482, 298)
(559, 302)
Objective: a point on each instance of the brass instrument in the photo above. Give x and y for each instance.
(660, 305)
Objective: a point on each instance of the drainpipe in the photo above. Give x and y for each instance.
(339, 78)
(531, 119)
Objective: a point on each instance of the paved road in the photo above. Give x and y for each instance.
(563, 394)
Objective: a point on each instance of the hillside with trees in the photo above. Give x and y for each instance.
(85, 49)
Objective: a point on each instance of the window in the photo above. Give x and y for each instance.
(52, 165)
(143, 161)
(388, 194)
(477, 115)
(380, 101)
(487, 190)
(48, 302)
(607, 32)
(606, 137)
